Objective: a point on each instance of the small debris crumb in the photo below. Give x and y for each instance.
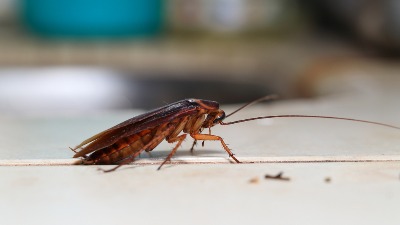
(327, 180)
(254, 180)
(277, 177)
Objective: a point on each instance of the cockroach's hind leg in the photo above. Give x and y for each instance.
(179, 139)
(110, 170)
(123, 162)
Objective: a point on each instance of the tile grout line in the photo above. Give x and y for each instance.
(214, 160)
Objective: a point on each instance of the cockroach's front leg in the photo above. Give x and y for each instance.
(210, 137)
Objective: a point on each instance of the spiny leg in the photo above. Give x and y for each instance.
(180, 139)
(210, 137)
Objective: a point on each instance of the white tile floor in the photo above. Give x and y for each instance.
(213, 191)
(358, 193)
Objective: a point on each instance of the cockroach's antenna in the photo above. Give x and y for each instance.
(273, 97)
(309, 116)
(265, 98)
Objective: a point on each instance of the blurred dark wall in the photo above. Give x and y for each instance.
(371, 24)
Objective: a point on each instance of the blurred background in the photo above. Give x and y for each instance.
(83, 56)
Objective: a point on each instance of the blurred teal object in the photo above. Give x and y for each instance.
(93, 18)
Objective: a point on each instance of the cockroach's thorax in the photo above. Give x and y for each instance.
(205, 104)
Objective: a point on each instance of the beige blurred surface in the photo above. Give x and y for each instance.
(317, 193)
(205, 188)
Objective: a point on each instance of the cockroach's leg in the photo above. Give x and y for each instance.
(208, 137)
(195, 142)
(192, 148)
(178, 139)
(123, 162)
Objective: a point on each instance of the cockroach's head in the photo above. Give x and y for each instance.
(220, 117)
(211, 108)
(214, 118)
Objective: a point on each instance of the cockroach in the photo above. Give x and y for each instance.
(122, 143)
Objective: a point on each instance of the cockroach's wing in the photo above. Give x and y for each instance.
(97, 136)
(134, 125)
(132, 121)
(101, 140)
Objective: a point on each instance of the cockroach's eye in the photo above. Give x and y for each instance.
(219, 118)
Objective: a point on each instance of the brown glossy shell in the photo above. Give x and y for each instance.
(143, 132)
